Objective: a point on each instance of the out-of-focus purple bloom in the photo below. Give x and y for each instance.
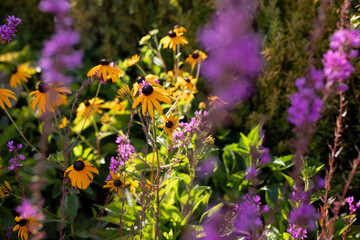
(125, 152)
(298, 233)
(305, 105)
(206, 168)
(26, 209)
(345, 38)
(15, 162)
(233, 52)
(265, 155)
(8, 31)
(304, 215)
(58, 54)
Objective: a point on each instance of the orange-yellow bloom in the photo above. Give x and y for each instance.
(105, 71)
(4, 95)
(173, 39)
(80, 173)
(116, 183)
(195, 58)
(21, 74)
(170, 123)
(133, 60)
(25, 226)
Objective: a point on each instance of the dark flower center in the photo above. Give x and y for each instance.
(86, 102)
(172, 34)
(43, 87)
(117, 183)
(104, 62)
(14, 70)
(147, 90)
(195, 55)
(22, 222)
(169, 124)
(140, 79)
(187, 79)
(79, 165)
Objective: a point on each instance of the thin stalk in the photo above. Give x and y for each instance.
(21, 133)
(157, 180)
(141, 69)
(82, 128)
(198, 71)
(58, 130)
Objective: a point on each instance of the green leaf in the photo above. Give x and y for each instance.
(209, 213)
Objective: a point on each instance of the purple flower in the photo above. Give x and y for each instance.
(336, 67)
(125, 152)
(26, 209)
(304, 215)
(344, 38)
(58, 54)
(15, 162)
(305, 105)
(233, 52)
(9, 30)
(298, 233)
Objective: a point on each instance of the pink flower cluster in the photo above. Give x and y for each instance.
(15, 162)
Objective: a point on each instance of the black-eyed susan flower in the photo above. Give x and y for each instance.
(123, 91)
(136, 185)
(85, 106)
(4, 95)
(216, 102)
(142, 81)
(105, 71)
(179, 29)
(173, 39)
(170, 123)
(5, 190)
(188, 83)
(117, 106)
(25, 226)
(149, 98)
(105, 118)
(133, 60)
(63, 123)
(117, 182)
(48, 96)
(80, 173)
(21, 74)
(195, 58)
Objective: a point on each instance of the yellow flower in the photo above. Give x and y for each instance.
(116, 183)
(84, 107)
(105, 118)
(123, 91)
(202, 105)
(170, 123)
(21, 74)
(4, 95)
(171, 74)
(196, 57)
(179, 29)
(136, 184)
(80, 173)
(117, 106)
(142, 81)
(173, 39)
(106, 71)
(187, 83)
(48, 96)
(25, 225)
(216, 102)
(209, 140)
(133, 60)
(63, 122)
(5, 190)
(149, 98)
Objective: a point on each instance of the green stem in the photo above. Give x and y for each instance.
(141, 69)
(21, 133)
(158, 178)
(198, 71)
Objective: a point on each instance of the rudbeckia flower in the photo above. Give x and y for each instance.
(84, 107)
(179, 29)
(173, 39)
(21, 74)
(216, 102)
(105, 71)
(5, 190)
(48, 96)
(63, 122)
(195, 58)
(142, 81)
(105, 118)
(135, 185)
(80, 173)
(117, 106)
(116, 183)
(25, 225)
(187, 83)
(170, 123)
(133, 60)
(123, 91)
(4, 95)
(149, 98)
